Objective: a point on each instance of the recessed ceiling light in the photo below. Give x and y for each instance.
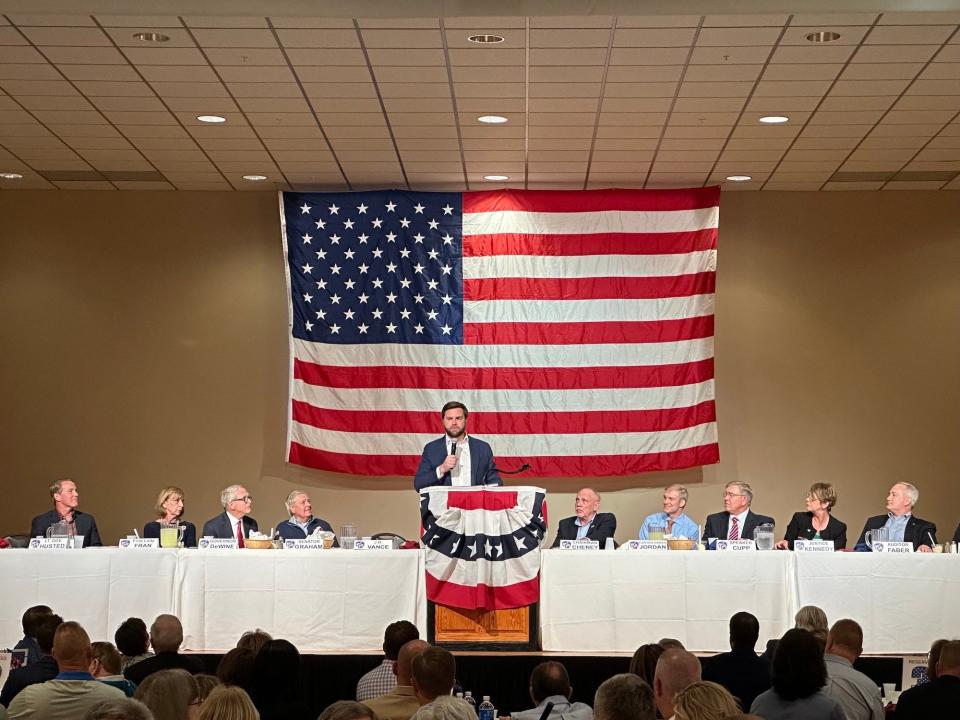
(823, 36)
(151, 37)
(496, 177)
(10, 176)
(492, 119)
(254, 178)
(486, 39)
(738, 178)
(211, 119)
(774, 119)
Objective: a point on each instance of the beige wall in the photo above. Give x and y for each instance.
(144, 343)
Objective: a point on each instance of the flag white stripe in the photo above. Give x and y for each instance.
(553, 445)
(495, 573)
(529, 401)
(673, 308)
(489, 522)
(438, 495)
(588, 266)
(590, 223)
(484, 356)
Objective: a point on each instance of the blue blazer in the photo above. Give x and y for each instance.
(482, 469)
(221, 527)
(84, 523)
(289, 531)
(152, 530)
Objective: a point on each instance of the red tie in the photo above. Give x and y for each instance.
(240, 533)
(734, 529)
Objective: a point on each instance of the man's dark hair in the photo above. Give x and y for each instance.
(549, 678)
(624, 697)
(131, 637)
(435, 671)
(744, 631)
(32, 617)
(798, 669)
(236, 668)
(46, 630)
(453, 404)
(397, 635)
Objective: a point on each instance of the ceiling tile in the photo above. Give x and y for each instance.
(637, 73)
(642, 56)
(935, 87)
(71, 36)
(796, 34)
(748, 55)
(234, 38)
(739, 36)
(711, 73)
(869, 87)
(881, 71)
(718, 89)
(83, 55)
(640, 89)
(401, 57)
(910, 35)
(124, 37)
(660, 37)
(894, 53)
(165, 56)
(315, 38)
(812, 54)
(800, 71)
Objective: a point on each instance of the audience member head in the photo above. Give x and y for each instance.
(105, 661)
(276, 673)
(397, 635)
(350, 710)
(434, 672)
(548, 679)
(119, 709)
(166, 633)
(798, 669)
(676, 669)
(624, 697)
(704, 701)
(169, 503)
(236, 668)
(205, 683)
(737, 496)
(71, 648)
(744, 631)
(949, 663)
(228, 703)
(670, 644)
(813, 620)
(32, 617)
(403, 667)
(168, 693)
(643, 664)
(131, 637)
(933, 657)
(446, 708)
(845, 639)
(46, 630)
(253, 640)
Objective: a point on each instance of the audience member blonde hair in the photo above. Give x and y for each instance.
(813, 620)
(168, 693)
(704, 701)
(228, 703)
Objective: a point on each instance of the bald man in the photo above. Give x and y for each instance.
(587, 522)
(401, 702)
(676, 670)
(166, 636)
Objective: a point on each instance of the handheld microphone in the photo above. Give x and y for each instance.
(453, 447)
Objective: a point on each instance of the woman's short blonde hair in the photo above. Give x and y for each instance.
(228, 702)
(825, 493)
(165, 494)
(704, 701)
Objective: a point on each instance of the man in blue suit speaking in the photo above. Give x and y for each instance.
(456, 459)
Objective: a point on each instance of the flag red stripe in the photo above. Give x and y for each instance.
(596, 288)
(497, 378)
(593, 244)
(482, 500)
(515, 423)
(540, 467)
(483, 597)
(512, 333)
(563, 201)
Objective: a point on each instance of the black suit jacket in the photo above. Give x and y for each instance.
(718, 525)
(44, 669)
(741, 672)
(152, 530)
(483, 471)
(956, 535)
(221, 527)
(163, 661)
(84, 523)
(801, 528)
(604, 526)
(936, 699)
(918, 531)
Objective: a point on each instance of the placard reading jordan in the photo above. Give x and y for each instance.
(577, 327)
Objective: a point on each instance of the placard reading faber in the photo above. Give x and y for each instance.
(54, 543)
(138, 543)
(580, 544)
(893, 547)
(646, 544)
(381, 544)
(217, 544)
(736, 545)
(303, 544)
(813, 546)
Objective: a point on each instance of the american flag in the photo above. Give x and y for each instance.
(577, 327)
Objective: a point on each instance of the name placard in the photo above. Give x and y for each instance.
(645, 545)
(813, 546)
(736, 545)
(893, 547)
(303, 544)
(138, 543)
(53, 543)
(382, 544)
(580, 544)
(217, 544)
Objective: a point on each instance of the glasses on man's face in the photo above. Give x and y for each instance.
(244, 499)
(731, 495)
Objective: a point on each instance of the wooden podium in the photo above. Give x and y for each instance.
(461, 629)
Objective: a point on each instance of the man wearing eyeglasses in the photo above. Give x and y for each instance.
(235, 521)
(737, 521)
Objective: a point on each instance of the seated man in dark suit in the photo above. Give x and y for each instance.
(66, 498)
(45, 668)
(956, 535)
(902, 525)
(587, 523)
(166, 636)
(32, 617)
(938, 698)
(737, 519)
(740, 671)
(301, 522)
(233, 522)
(456, 459)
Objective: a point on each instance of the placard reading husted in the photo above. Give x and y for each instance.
(54, 543)
(580, 544)
(736, 545)
(814, 546)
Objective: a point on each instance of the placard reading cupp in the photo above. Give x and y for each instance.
(893, 547)
(646, 544)
(373, 545)
(736, 545)
(138, 543)
(813, 546)
(54, 543)
(580, 544)
(217, 544)
(303, 544)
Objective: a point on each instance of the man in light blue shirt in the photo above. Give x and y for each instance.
(673, 518)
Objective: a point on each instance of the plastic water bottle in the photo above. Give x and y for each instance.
(486, 711)
(468, 696)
